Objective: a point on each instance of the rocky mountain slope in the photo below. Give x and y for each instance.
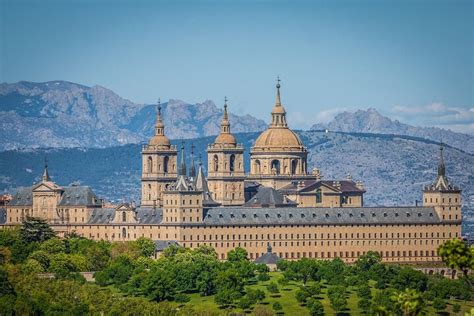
(371, 121)
(64, 114)
(394, 169)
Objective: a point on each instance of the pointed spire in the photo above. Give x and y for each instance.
(225, 124)
(278, 100)
(192, 168)
(441, 166)
(182, 167)
(159, 126)
(278, 112)
(45, 177)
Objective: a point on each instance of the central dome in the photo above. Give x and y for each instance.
(274, 138)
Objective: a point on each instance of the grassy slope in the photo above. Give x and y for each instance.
(291, 306)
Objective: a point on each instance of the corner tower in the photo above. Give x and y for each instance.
(442, 195)
(278, 156)
(226, 166)
(159, 159)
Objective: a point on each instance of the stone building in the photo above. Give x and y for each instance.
(226, 173)
(279, 205)
(159, 163)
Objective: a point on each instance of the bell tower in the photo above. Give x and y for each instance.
(442, 195)
(159, 165)
(226, 166)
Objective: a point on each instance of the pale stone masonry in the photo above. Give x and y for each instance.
(279, 205)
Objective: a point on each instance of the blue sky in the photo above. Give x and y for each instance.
(411, 60)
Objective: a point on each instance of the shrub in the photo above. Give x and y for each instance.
(273, 288)
(181, 298)
(456, 308)
(277, 306)
(439, 304)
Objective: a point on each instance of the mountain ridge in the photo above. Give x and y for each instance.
(65, 114)
(372, 121)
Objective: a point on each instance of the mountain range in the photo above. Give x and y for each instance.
(64, 114)
(371, 121)
(394, 169)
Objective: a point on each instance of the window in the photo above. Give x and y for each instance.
(124, 233)
(275, 165)
(216, 163)
(319, 196)
(150, 164)
(294, 166)
(166, 161)
(232, 163)
(257, 166)
(124, 217)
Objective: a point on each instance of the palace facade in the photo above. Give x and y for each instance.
(279, 204)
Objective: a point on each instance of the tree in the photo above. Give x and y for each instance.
(409, 301)
(118, 272)
(456, 254)
(337, 298)
(301, 296)
(226, 297)
(42, 257)
(237, 255)
(315, 307)
(158, 285)
(409, 278)
(364, 305)
(439, 304)
(368, 260)
(36, 230)
(363, 291)
(53, 246)
(146, 246)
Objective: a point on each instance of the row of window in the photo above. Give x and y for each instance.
(322, 236)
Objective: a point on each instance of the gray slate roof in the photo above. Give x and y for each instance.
(268, 258)
(103, 216)
(269, 197)
(71, 196)
(320, 216)
(161, 245)
(345, 186)
(23, 196)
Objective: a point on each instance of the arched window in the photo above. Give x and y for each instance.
(166, 161)
(319, 196)
(294, 166)
(150, 164)
(257, 166)
(124, 216)
(276, 166)
(124, 233)
(232, 163)
(216, 163)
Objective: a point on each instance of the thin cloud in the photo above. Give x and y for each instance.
(437, 114)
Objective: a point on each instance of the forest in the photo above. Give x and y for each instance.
(40, 274)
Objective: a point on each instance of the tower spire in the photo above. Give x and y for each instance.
(192, 168)
(278, 99)
(278, 112)
(441, 166)
(159, 126)
(225, 124)
(182, 167)
(45, 177)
